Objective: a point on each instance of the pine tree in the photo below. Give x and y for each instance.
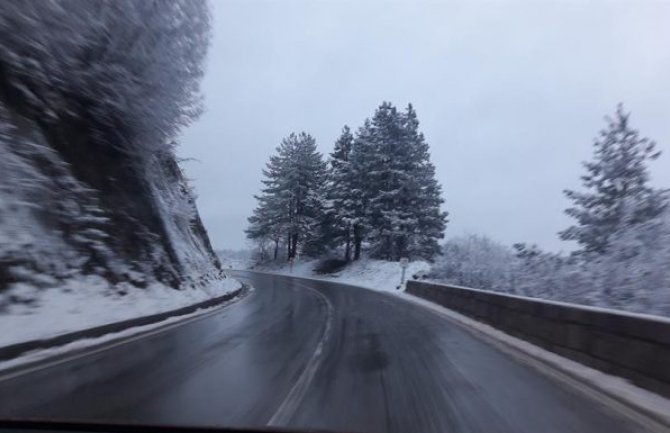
(304, 180)
(342, 150)
(426, 193)
(323, 232)
(617, 183)
(379, 189)
(397, 184)
(266, 225)
(389, 181)
(337, 214)
(291, 203)
(355, 203)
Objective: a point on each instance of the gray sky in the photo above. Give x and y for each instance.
(509, 95)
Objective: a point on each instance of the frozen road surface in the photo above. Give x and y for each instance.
(303, 353)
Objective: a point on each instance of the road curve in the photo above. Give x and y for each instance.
(305, 353)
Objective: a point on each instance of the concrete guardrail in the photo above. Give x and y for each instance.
(632, 346)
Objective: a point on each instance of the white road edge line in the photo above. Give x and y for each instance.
(288, 407)
(107, 345)
(643, 407)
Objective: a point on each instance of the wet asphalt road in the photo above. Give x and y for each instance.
(304, 353)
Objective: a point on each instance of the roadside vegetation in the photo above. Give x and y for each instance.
(376, 192)
(376, 196)
(622, 229)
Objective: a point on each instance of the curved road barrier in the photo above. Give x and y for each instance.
(632, 346)
(14, 350)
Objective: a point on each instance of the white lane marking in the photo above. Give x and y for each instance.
(290, 404)
(123, 340)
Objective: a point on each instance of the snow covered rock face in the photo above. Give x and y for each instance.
(37, 197)
(92, 97)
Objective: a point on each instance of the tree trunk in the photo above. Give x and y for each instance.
(388, 246)
(288, 244)
(276, 249)
(358, 239)
(404, 250)
(347, 246)
(294, 247)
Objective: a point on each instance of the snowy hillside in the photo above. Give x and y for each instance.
(369, 273)
(236, 259)
(97, 221)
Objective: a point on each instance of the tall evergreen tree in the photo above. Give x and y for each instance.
(425, 207)
(291, 200)
(394, 190)
(337, 212)
(617, 183)
(389, 180)
(358, 190)
(266, 225)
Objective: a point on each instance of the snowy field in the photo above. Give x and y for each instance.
(368, 273)
(90, 302)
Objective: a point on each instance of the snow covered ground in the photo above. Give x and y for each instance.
(235, 259)
(134, 332)
(90, 301)
(369, 273)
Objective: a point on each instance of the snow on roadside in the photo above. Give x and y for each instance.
(90, 301)
(617, 388)
(129, 333)
(368, 273)
(236, 259)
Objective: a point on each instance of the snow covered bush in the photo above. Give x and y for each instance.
(633, 275)
(551, 276)
(476, 261)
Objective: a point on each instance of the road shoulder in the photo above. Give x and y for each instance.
(645, 408)
(44, 354)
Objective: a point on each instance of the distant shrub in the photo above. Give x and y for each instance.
(330, 266)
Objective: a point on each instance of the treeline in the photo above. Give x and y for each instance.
(376, 191)
(622, 229)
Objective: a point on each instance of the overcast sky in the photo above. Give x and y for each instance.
(509, 95)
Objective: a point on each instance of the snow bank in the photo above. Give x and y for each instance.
(236, 259)
(90, 301)
(126, 334)
(61, 266)
(368, 273)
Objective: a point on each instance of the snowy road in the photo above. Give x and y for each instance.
(307, 353)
